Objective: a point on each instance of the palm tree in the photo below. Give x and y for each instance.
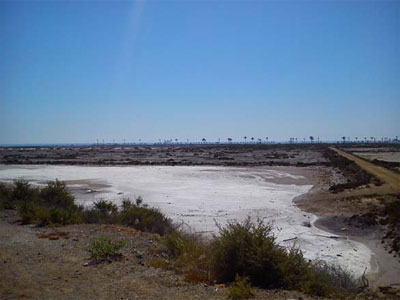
(266, 139)
(252, 139)
(259, 141)
(344, 139)
(245, 138)
(203, 140)
(230, 140)
(311, 138)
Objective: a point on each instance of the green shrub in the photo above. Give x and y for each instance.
(105, 207)
(28, 212)
(194, 255)
(249, 250)
(104, 249)
(53, 204)
(295, 269)
(50, 205)
(240, 289)
(144, 218)
(5, 197)
(102, 211)
(23, 192)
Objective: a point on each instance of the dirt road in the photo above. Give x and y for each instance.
(389, 177)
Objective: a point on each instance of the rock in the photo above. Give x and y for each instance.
(85, 264)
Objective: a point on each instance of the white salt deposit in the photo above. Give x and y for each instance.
(198, 197)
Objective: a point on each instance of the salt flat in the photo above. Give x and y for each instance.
(198, 197)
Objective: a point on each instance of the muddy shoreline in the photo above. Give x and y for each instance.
(333, 217)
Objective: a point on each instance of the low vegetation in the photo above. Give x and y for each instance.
(249, 250)
(104, 249)
(240, 289)
(53, 204)
(241, 255)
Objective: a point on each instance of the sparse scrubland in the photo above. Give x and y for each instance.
(242, 254)
(53, 204)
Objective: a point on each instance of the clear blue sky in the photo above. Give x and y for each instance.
(76, 71)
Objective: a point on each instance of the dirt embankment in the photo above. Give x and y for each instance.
(390, 178)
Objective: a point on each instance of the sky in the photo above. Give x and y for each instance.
(77, 71)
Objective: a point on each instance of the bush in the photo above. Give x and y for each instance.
(104, 249)
(330, 280)
(102, 211)
(240, 289)
(23, 192)
(53, 204)
(249, 250)
(143, 218)
(194, 255)
(5, 197)
(136, 215)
